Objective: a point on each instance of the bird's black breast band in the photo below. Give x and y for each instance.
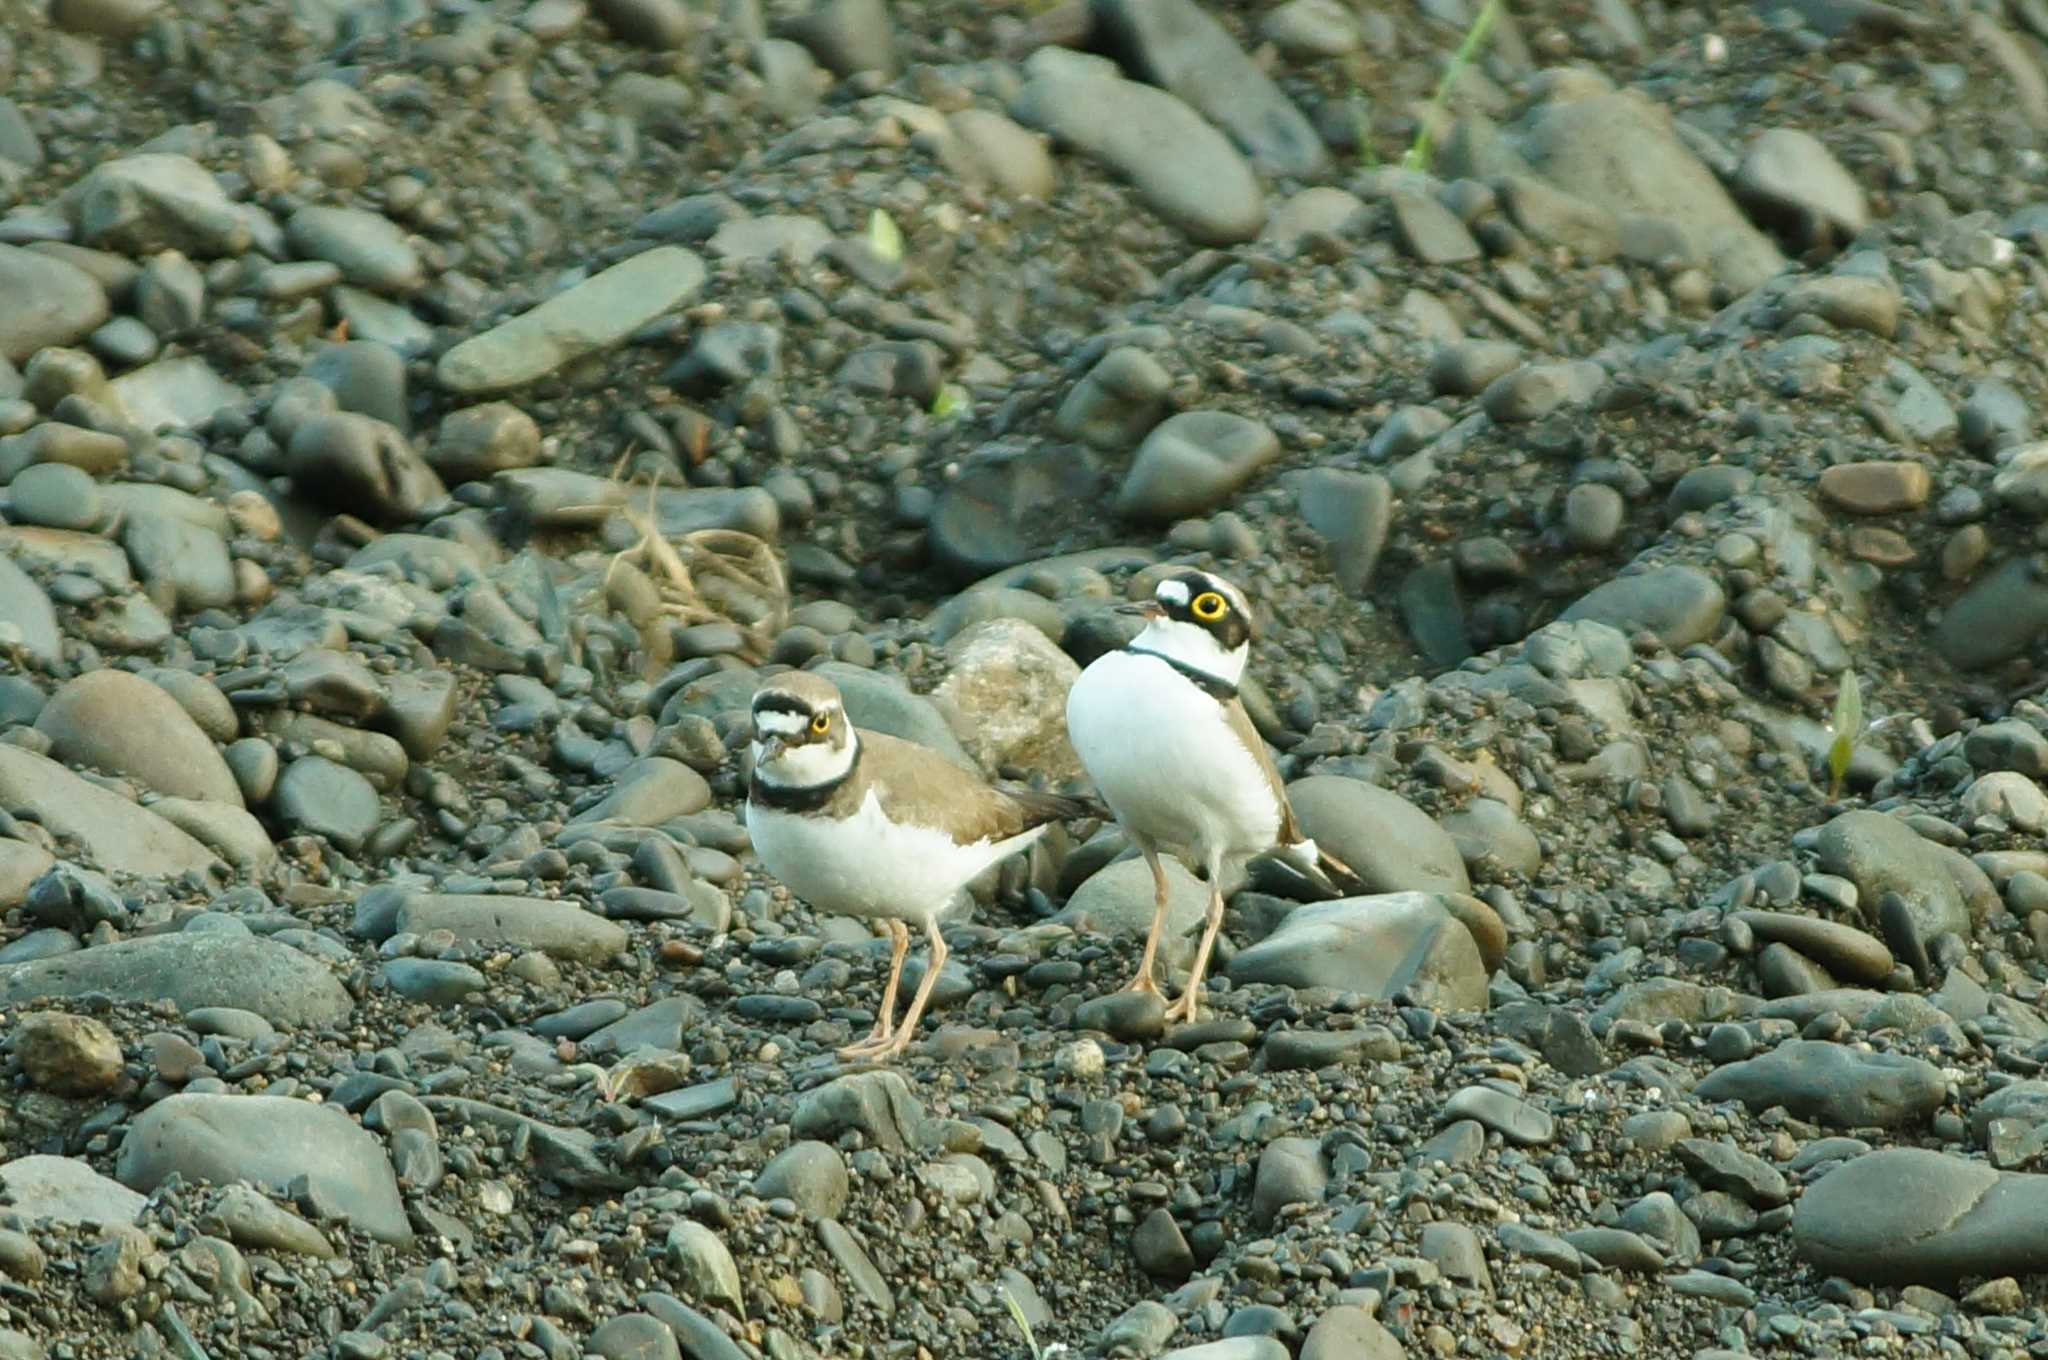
(1220, 690)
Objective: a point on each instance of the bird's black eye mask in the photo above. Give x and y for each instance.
(811, 723)
(1203, 605)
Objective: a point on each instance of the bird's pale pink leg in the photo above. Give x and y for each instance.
(1184, 1008)
(908, 1028)
(885, 1023)
(1143, 981)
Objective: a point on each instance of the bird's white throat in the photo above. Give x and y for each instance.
(806, 766)
(1193, 646)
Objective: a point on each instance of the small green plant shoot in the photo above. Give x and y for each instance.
(1423, 150)
(1848, 729)
(885, 238)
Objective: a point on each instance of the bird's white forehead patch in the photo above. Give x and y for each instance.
(780, 721)
(1173, 592)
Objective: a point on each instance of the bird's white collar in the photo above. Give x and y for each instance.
(1191, 646)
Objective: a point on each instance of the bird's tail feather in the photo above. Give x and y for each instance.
(1040, 808)
(1324, 871)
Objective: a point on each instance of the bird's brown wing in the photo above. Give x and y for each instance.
(1339, 879)
(1241, 723)
(923, 788)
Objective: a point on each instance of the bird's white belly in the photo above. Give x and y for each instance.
(1166, 761)
(867, 865)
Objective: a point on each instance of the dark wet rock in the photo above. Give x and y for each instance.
(360, 464)
(991, 515)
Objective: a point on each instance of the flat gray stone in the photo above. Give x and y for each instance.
(1378, 946)
(1620, 152)
(1386, 840)
(27, 618)
(269, 1141)
(592, 316)
(1180, 165)
(1913, 1215)
(1882, 855)
(323, 797)
(562, 930)
(1681, 605)
(1190, 463)
(65, 1190)
(155, 201)
(370, 249)
(119, 836)
(49, 302)
(193, 971)
(1837, 1085)
(1176, 45)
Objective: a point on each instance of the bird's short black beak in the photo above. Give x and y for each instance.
(1144, 609)
(766, 749)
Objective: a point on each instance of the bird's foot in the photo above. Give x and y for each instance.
(1143, 983)
(1183, 1010)
(871, 1047)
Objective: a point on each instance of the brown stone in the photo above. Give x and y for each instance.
(1884, 547)
(1878, 487)
(69, 1055)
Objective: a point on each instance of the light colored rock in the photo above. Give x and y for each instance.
(118, 835)
(121, 723)
(66, 1190)
(1011, 681)
(270, 1141)
(594, 315)
(251, 973)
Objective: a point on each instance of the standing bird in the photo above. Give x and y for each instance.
(1159, 726)
(861, 823)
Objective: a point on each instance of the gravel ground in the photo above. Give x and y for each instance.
(422, 425)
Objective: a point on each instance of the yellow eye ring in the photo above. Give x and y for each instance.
(1209, 606)
(822, 724)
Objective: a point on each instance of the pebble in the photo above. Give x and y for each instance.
(1191, 462)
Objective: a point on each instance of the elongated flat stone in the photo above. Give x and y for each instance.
(594, 315)
(561, 929)
(1182, 167)
(120, 836)
(204, 968)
